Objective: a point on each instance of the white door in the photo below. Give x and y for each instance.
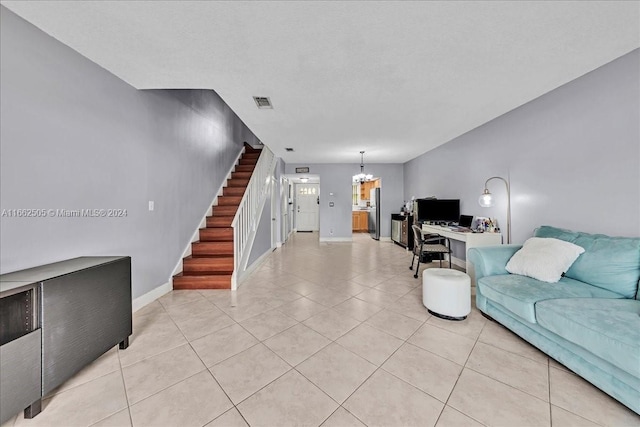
(307, 207)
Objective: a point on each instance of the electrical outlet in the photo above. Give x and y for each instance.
(331, 231)
(151, 205)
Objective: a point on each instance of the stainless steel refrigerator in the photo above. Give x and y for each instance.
(374, 213)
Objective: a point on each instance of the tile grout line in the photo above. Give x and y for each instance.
(375, 370)
(319, 350)
(458, 379)
(190, 376)
(124, 385)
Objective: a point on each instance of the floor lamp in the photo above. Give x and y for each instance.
(486, 200)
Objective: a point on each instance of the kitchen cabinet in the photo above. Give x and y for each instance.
(359, 221)
(366, 187)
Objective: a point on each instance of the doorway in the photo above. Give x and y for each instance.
(307, 207)
(365, 210)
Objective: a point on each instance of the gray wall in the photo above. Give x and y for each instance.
(335, 222)
(573, 156)
(75, 136)
(262, 242)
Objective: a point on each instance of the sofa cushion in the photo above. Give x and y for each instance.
(519, 294)
(609, 328)
(545, 259)
(611, 263)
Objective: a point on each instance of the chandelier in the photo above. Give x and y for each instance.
(362, 177)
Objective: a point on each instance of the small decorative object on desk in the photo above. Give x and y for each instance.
(482, 223)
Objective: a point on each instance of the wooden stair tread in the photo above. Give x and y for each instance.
(218, 281)
(224, 210)
(241, 175)
(233, 191)
(237, 183)
(229, 200)
(212, 249)
(207, 265)
(217, 221)
(210, 234)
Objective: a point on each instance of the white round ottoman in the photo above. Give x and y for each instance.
(446, 293)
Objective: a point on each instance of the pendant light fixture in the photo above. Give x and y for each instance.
(362, 177)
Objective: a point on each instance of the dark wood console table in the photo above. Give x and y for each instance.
(56, 319)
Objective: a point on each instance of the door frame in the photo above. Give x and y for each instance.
(295, 204)
(274, 211)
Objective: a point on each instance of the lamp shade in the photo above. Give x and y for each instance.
(486, 200)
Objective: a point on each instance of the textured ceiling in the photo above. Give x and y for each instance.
(393, 78)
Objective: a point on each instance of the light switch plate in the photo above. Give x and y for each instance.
(151, 205)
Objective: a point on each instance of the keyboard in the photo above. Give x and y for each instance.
(461, 229)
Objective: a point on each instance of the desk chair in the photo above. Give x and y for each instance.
(428, 245)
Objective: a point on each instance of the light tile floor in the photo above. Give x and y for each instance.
(323, 334)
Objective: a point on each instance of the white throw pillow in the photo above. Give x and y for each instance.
(544, 259)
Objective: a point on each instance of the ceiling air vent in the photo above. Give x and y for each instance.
(262, 102)
(289, 149)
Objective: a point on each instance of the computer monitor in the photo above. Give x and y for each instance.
(438, 210)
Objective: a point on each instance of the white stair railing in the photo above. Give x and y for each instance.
(245, 222)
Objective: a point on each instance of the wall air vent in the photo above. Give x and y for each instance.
(263, 102)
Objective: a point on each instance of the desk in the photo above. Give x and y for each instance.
(471, 240)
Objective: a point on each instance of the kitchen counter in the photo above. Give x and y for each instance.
(399, 217)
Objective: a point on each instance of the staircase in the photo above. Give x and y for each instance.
(211, 263)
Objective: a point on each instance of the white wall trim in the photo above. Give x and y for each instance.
(151, 296)
(458, 262)
(203, 222)
(336, 239)
(385, 239)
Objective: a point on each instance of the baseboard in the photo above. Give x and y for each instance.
(385, 239)
(151, 296)
(336, 239)
(459, 262)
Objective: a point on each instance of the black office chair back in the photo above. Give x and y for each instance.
(417, 239)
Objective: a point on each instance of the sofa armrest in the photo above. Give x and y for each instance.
(491, 260)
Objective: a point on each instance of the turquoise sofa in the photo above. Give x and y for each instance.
(589, 321)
